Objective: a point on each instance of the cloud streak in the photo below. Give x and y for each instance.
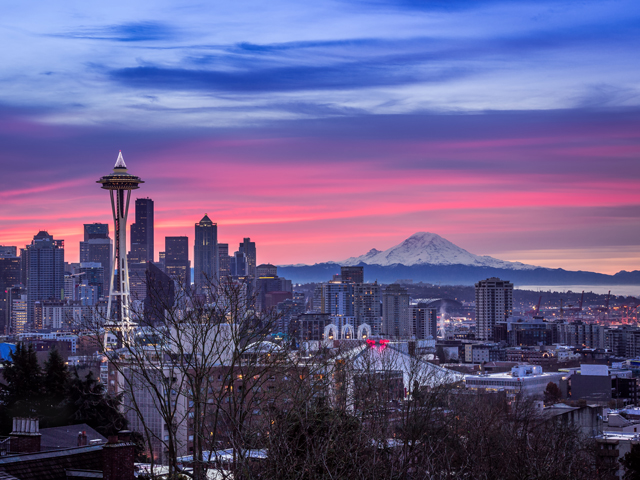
(126, 32)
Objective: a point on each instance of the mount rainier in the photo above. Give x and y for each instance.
(425, 248)
(427, 257)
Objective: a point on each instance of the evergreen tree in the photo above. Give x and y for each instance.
(55, 406)
(552, 394)
(22, 394)
(93, 406)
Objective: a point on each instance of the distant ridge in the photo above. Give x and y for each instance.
(427, 257)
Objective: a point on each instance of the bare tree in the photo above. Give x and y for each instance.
(199, 371)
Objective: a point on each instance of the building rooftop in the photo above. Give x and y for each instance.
(51, 465)
(67, 436)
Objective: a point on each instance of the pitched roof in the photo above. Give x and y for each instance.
(206, 220)
(67, 437)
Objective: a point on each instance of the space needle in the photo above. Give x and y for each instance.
(120, 183)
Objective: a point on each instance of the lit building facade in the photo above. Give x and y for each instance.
(494, 303)
(96, 248)
(176, 259)
(206, 268)
(142, 232)
(249, 249)
(45, 278)
(396, 318)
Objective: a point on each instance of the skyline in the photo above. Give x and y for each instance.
(328, 130)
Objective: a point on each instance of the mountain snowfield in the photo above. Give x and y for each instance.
(425, 248)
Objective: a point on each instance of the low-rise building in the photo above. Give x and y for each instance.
(483, 352)
(526, 379)
(531, 355)
(600, 383)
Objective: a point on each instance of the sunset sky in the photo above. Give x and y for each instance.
(324, 129)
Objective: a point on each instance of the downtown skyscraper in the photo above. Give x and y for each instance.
(249, 249)
(96, 248)
(142, 231)
(206, 267)
(176, 259)
(9, 276)
(45, 271)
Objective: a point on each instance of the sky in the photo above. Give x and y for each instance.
(324, 129)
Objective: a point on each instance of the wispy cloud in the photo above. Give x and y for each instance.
(126, 32)
(284, 79)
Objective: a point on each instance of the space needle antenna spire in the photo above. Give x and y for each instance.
(119, 183)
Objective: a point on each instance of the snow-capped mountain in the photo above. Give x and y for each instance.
(429, 248)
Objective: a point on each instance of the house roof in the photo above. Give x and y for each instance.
(51, 465)
(67, 436)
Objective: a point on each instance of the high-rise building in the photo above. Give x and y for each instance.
(424, 321)
(352, 274)
(24, 266)
(176, 259)
(367, 307)
(271, 289)
(19, 314)
(338, 299)
(138, 282)
(239, 265)
(494, 303)
(249, 249)
(93, 275)
(9, 276)
(14, 293)
(7, 251)
(266, 270)
(160, 295)
(142, 248)
(396, 318)
(224, 260)
(205, 253)
(45, 278)
(95, 230)
(96, 248)
(289, 309)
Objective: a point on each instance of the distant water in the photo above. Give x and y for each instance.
(626, 290)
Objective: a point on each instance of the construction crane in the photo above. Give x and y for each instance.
(536, 309)
(578, 308)
(604, 309)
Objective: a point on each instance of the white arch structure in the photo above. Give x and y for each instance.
(334, 331)
(347, 329)
(364, 331)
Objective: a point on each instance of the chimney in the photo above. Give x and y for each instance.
(25, 436)
(82, 439)
(118, 456)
